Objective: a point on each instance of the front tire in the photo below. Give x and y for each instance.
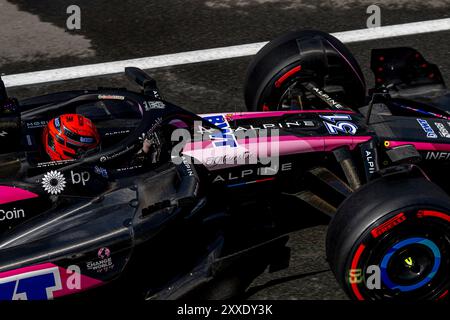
(399, 228)
(303, 56)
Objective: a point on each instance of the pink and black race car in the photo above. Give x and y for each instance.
(171, 204)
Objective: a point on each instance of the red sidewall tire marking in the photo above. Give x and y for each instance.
(354, 265)
(432, 213)
(283, 78)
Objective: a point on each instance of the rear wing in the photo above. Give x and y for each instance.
(405, 68)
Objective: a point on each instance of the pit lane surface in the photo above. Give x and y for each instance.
(33, 37)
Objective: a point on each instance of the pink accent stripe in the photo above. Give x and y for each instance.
(86, 284)
(421, 145)
(11, 194)
(324, 143)
(294, 145)
(36, 267)
(268, 114)
(85, 281)
(178, 123)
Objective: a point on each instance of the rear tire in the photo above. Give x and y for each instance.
(305, 56)
(401, 225)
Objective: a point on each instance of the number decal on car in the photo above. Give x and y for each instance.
(337, 123)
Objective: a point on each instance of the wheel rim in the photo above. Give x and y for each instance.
(413, 258)
(291, 96)
(410, 264)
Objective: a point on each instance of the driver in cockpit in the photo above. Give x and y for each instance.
(69, 136)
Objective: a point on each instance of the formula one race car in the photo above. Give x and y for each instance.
(125, 192)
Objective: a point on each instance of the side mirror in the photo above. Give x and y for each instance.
(143, 80)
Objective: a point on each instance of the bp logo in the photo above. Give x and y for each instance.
(54, 182)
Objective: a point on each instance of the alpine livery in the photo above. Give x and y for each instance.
(111, 191)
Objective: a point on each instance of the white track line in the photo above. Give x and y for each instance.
(211, 54)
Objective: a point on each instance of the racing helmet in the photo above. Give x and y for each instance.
(67, 136)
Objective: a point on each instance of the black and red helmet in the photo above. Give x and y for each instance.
(66, 136)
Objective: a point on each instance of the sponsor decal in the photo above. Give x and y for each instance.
(115, 155)
(53, 163)
(264, 126)
(187, 165)
(43, 282)
(128, 168)
(86, 140)
(443, 132)
(427, 128)
(149, 105)
(388, 225)
(103, 253)
(110, 97)
(270, 126)
(3, 134)
(330, 101)
(339, 123)
(216, 147)
(156, 124)
(101, 171)
(35, 285)
(36, 124)
(104, 262)
(436, 155)
(262, 171)
(12, 214)
(156, 94)
(240, 158)
(107, 134)
(80, 177)
(370, 161)
(54, 182)
(224, 138)
(370, 156)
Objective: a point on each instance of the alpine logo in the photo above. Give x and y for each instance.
(3, 134)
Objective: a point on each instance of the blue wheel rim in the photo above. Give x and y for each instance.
(410, 241)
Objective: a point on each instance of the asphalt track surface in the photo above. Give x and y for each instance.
(33, 37)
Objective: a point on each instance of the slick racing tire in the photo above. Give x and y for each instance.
(391, 240)
(299, 57)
